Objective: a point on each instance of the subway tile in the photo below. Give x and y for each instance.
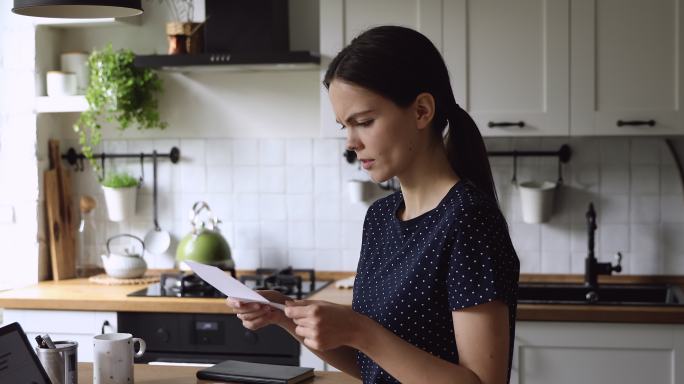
(246, 207)
(300, 207)
(665, 154)
(585, 150)
(219, 152)
(613, 209)
(645, 209)
(327, 179)
(644, 239)
(645, 151)
(530, 261)
(274, 258)
(272, 152)
(328, 260)
(670, 181)
(577, 262)
(352, 234)
(246, 235)
(350, 258)
(273, 234)
(326, 152)
(613, 238)
(272, 179)
(273, 207)
(299, 152)
(614, 150)
(245, 152)
(302, 258)
(247, 259)
(555, 261)
(192, 179)
(555, 238)
(645, 180)
(221, 205)
(614, 179)
(327, 234)
(672, 209)
(525, 237)
(299, 179)
(219, 179)
(327, 207)
(300, 234)
(193, 152)
(245, 179)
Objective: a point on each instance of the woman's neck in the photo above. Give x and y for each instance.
(426, 183)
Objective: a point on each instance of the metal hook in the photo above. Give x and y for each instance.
(79, 164)
(514, 180)
(560, 172)
(102, 161)
(142, 170)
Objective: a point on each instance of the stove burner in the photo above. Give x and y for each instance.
(286, 281)
(188, 284)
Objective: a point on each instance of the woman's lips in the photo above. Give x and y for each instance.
(367, 163)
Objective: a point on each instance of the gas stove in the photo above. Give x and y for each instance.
(295, 283)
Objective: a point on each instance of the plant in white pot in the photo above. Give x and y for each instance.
(120, 191)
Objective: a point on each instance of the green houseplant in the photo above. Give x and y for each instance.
(120, 191)
(118, 93)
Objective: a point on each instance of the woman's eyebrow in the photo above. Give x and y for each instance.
(354, 115)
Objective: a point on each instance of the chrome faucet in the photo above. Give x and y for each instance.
(592, 268)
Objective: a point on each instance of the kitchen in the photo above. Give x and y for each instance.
(261, 147)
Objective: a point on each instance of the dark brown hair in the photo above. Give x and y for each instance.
(399, 64)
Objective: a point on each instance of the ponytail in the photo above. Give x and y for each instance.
(399, 64)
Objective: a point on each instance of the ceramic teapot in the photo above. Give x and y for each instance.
(125, 266)
(204, 244)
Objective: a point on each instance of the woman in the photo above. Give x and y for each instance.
(436, 285)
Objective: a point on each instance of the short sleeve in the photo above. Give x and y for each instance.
(482, 261)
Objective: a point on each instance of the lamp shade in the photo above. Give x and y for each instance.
(78, 9)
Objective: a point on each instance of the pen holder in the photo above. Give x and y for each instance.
(60, 362)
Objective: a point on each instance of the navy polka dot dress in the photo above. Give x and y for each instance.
(412, 274)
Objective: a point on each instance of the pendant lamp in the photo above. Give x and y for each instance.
(78, 9)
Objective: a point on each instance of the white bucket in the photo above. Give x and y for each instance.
(120, 202)
(537, 200)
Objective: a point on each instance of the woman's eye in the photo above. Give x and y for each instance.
(366, 123)
(342, 127)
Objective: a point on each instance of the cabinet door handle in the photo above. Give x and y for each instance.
(650, 123)
(493, 124)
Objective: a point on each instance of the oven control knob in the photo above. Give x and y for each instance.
(251, 337)
(162, 335)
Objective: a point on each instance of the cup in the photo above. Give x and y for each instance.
(61, 83)
(359, 191)
(537, 200)
(61, 362)
(76, 63)
(113, 358)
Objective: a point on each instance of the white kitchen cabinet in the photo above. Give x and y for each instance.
(509, 63)
(605, 353)
(342, 20)
(627, 65)
(79, 326)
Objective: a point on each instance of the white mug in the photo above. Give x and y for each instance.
(76, 63)
(113, 358)
(60, 83)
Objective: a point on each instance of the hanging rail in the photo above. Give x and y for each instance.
(76, 159)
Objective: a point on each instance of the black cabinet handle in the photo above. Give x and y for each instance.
(650, 123)
(493, 124)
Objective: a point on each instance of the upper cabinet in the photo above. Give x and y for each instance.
(509, 64)
(342, 20)
(627, 67)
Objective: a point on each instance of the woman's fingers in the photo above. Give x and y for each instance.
(254, 315)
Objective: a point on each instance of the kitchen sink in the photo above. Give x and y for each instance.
(608, 294)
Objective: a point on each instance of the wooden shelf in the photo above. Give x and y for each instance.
(46, 104)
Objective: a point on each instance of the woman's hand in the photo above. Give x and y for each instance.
(324, 325)
(257, 315)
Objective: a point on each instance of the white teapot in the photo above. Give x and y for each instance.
(124, 266)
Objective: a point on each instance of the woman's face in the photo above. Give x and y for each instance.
(383, 135)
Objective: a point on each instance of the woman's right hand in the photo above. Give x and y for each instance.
(258, 315)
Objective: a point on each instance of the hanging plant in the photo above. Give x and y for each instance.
(118, 93)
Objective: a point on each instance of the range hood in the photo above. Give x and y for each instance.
(240, 35)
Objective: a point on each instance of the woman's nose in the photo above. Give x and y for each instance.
(353, 143)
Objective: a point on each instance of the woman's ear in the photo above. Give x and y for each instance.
(424, 107)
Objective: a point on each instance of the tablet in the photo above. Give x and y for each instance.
(18, 362)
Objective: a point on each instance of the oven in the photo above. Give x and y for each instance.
(196, 338)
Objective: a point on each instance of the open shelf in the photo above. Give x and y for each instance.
(46, 104)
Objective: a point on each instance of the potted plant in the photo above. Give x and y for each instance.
(120, 191)
(119, 93)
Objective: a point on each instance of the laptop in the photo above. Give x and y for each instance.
(18, 362)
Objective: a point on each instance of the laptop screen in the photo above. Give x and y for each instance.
(18, 363)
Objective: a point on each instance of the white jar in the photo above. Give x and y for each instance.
(76, 63)
(61, 84)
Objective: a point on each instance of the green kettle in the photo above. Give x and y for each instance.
(204, 244)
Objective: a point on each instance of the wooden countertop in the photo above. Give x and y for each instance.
(79, 294)
(186, 375)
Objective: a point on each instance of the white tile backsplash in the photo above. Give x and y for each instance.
(285, 201)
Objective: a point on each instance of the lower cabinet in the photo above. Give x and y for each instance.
(78, 326)
(605, 353)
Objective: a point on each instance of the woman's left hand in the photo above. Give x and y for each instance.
(323, 325)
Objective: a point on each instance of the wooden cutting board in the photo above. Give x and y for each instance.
(60, 218)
